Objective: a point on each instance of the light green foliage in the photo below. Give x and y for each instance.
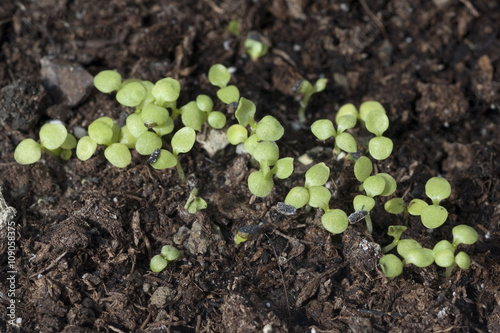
(419, 257)
(284, 167)
(395, 206)
(118, 155)
(127, 138)
(251, 143)
(297, 197)
(433, 216)
(165, 129)
(323, 129)
(192, 116)
(362, 202)
(204, 103)
(183, 140)
(266, 152)
(154, 115)
(363, 168)
(131, 94)
(245, 112)
(195, 205)
(317, 175)
(234, 28)
(216, 119)
(437, 189)
(260, 184)
(52, 136)
(135, 125)
(406, 245)
(165, 160)
(108, 81)
(346, 110)
(391, 266)
(166, 91)
(237, 134)
(380, 147)
(416, 206)
(255, 48)
(335, 221)
(147, 143)
(28, 151)
(219, 76)
(307, 89)
(168, 254)
(103, 131)
(444, 257)
(85, 148)
(229, 94)
(390, 184)
(319, 197)
(268, 128)
(377, 122)
(394, 231)
(374, 185)
(70, 142)
(462, 260)
(463, 234)
(367, 107)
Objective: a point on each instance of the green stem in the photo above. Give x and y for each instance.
(369, 225)
(191, 198)
(389, 247)
(303, 106)
(449, 270)
(182, 176)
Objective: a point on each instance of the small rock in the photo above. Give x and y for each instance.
(67, 82)
(162, 296)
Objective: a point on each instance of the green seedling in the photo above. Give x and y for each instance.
(381, 184)
(195, 203)
(307, 90)
(394, 231)
(54, 140)
(168, 254)
(234, 28)
(219, 76)
(245, 232)
(216, 119)
(323, 129)
(255, 46)
(434, 215)
(376, 122)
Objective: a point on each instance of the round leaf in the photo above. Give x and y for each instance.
(362, 202)
(147, 143)
(444, 258)
(433, 216)
(367, 107)
(463, 234)
(192, 116)
(101, 132)
(158, 263)
(27, 151)
(166, 91)
(317, 175)
(415, 207)
(183, 140)
(245, 112)
(204, 103)
(165, 129)
(154, 115)
(390, 184)
(298, 197)
(319, 197)
(377, 122)
(323, 129)
(335, 221)
(462, 260)
(420, 257)
(266, 151)
(218, 75)
(259, 184)
(52, 136)
(237, 134)
(229, 94)
(165, 160)
(406, 245)
(346, 142)
(85, 148)
(216, 119)
(437, 189)
(170, 253)
(131, 94)
(374, 185)
(118, 155)
(395, 206)
(346, 109)
(284, 167)
(380, 147)
(268, 128)
(127, 138)
(108, 81)
(391, 265)
(345, 122)
(135, 125)
(363, 168)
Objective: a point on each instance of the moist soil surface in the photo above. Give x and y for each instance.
(85, 231)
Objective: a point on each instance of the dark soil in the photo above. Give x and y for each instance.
(86, 230)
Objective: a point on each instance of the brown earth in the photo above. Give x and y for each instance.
(86, 230)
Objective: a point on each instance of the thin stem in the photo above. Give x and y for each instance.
(369, 225)
(191, 198)
(389, 247)
(182, 176)
(303, 106)
(449, 270)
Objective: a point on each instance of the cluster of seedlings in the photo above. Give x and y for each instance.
(155, 116)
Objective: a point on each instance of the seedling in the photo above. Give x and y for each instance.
(195, 203)
(234, 28)
(255, 46)
(245, 232)
(432, 216)
(219, 76)
(168, 254)
(377, 122)
(307, 90)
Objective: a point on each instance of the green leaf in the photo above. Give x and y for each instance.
(149, 99)
(317, 175)
(192, 116)
(284, 167)
(158, 263)
(437, 189)
(237, 134)
(390, 184)
(443, 245)
(204, 103)
(85, 148)
(52, 136)
(391, 266)
(319, 197)
(406, 245)
(251, 143)
(415, 207)
(118, 155)
(346, 109)
(245, 112)
(229, 94)
(395, 206)
(183, 140)
(127, 138)
(463, 234)
(154, 115)
(320, 84)
(218, 75)
(380, 147)
(298, 197)
(345, 122)
(260, 184)
(166, 91)
(269, 128)
(462, 260)
(367, 107)
(165, 129)
(323, 129)
(266, 151)
(433, 216)
(306, 87)
(377, 122)
(346, 142)
(135, 125)
(255, 48)
(70, 142)
(108, 81)
(196, 205)
(101, 132)
(165, 160)
(170, 253)
(65, 154)
(363, 168)
(147, 143)
(444, 258)
(374, 185)
(27, 151)
(234, 28)
(131, 94)
(362, 202)
(335, 221)
(420, 257)
(217, 119)
(396, 231)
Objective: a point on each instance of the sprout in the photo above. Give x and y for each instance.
(391, 266)
(219, 76)
(307, 89)
(323, 129)
(166, 91)
(28, 151)
(168, 254)
(118, 155)
(255, 47)
(108, 81)
(335, 221)
(463, 234)
(131, 94)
